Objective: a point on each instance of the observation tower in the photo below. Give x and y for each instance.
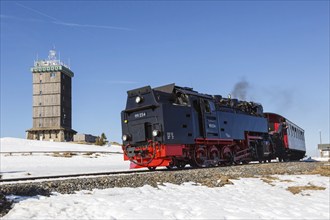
(52, 105)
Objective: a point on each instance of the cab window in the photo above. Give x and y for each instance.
(209, 106)
(181, 99)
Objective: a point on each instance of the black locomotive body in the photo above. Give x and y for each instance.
(174, 126)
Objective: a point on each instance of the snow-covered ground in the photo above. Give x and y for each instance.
(23, 165)
(247, 198)
(23, 145)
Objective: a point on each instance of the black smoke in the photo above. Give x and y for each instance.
(240, 90)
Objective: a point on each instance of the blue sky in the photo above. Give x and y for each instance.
(279, 48)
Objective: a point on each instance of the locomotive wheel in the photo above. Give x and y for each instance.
(214, 155)
(227, 155)
(200, 155)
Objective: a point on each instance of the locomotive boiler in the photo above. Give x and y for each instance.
(176, 126)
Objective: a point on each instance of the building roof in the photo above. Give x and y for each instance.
(51, 65)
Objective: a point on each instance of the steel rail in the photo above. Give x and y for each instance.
(54, 177)
(97, 174)
(8, 180)
(48, 152)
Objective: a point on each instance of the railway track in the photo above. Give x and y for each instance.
(57, 152)
(159, 170)
(89, 181)
(54, 177)
(110, 173)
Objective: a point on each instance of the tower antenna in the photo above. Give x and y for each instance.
(52, 55)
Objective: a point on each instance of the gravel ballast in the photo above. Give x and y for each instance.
(68, 186)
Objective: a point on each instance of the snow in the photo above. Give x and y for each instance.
(324, 159)
(247, 198)
(23, 164)
(22, 145)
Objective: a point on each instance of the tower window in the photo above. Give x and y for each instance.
(40, 92)
(52, 75)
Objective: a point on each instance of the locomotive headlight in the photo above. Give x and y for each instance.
(138, 99)
(155, 133)
(125, 137)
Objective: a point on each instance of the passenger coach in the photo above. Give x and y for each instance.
(293, 136)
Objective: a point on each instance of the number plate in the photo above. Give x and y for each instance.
(140, 115)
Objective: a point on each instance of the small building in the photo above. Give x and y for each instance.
(86, 138)
(324, 150)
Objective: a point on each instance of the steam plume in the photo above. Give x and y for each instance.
(240, 90)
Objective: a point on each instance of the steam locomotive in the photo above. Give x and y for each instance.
(172, 126)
